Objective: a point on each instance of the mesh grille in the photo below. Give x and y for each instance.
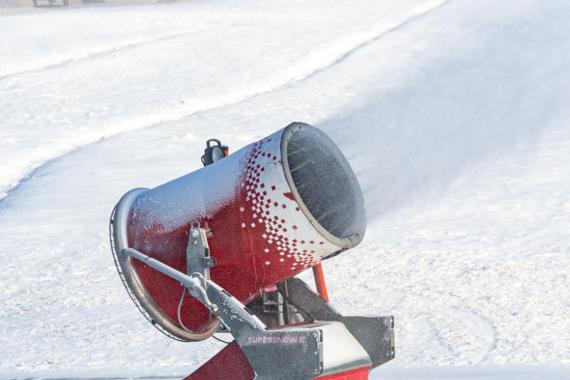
(325, 182)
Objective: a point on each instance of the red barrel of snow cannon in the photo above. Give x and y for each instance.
(271, 210)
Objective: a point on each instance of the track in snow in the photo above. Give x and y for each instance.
(292, 75)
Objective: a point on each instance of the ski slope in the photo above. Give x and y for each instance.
(453, 114)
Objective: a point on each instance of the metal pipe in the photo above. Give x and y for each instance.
(320, 281)
(231, 312)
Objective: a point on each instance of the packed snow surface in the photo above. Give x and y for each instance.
(454, 115)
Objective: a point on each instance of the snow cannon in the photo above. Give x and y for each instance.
(218, 251)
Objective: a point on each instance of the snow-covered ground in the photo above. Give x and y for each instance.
(453, 113)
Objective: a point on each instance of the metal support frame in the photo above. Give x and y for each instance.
(331, 344)
(291, 352)
(270, 352)
(375, 334)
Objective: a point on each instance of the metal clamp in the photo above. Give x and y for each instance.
(198, 259)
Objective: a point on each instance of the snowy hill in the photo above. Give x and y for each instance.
(453, 113)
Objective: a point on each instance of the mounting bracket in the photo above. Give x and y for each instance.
(198, 259)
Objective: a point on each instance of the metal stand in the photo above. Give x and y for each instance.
(330, 346)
